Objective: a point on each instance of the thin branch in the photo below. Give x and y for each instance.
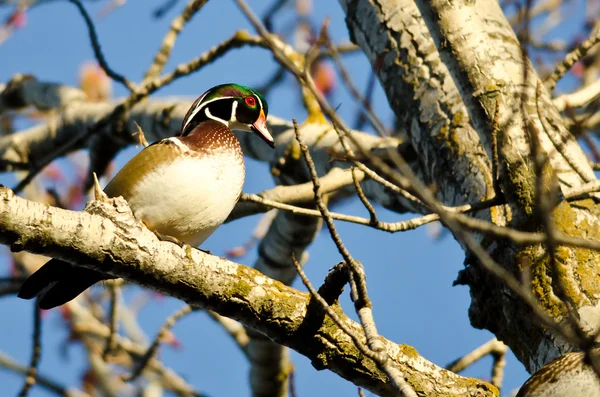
(375, 356)
(493, 347)
(89, 325)
(177, 25)
(336, 179)
(111, 342)
(272, 11)
(572, 58)
(43, 381)
(364, 200)
(366, 106)
(31, 375)
(97, 51)
(360, 118)
(384, 182)
(156, 342)
(390, 227)
(162, 9)
(498, 368)
(364, 349)
(233, 329)
(579, 98)
(362, 302)
(559, 141)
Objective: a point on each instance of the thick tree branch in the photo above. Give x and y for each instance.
(107, 237)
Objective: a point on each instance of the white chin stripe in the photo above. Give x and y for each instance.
(237, 126)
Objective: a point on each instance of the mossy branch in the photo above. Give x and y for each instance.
(107, 237)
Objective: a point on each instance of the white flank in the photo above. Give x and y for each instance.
(190, 197)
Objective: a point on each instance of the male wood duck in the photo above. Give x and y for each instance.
(182, 188)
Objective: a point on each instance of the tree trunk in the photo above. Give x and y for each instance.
(447, 69)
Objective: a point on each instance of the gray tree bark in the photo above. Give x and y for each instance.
(445, 66)
(106, 236)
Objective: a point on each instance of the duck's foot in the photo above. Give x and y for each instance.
(171, 239)
(174, 240)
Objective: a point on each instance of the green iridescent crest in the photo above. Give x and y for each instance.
(234, 90)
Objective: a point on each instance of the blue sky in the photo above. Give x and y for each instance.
(410, 275)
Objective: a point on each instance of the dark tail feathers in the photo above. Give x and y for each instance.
(58, 282)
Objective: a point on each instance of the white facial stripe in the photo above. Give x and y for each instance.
(234, 112)
(259, 101)
(199, 107)
(195, 112)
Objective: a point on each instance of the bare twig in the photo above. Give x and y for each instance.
(163, 54)
(111, 342)
(390, 227)
(364, 349)
(558, 140)
(43, 381)
(336, 179)
(164, 8)
(156, 342)
(234, 329)
(97, 51)
(31, 375)
(292, 377)
(272, 11)
(493, 347)
(140, 135)
(360, 118)
(361, 195)
(366, 106)
(498, 369)
(361, 299)
(578, 98)
(384, 182)
(572, 58)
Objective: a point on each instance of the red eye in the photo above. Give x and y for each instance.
(250, 101)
